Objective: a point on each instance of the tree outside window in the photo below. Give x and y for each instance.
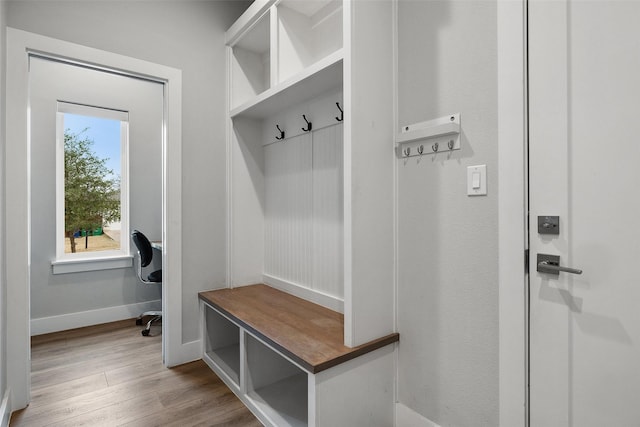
(91, 193)
(91, 182)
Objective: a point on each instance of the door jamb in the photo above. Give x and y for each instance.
(20, 44)
(512, 207)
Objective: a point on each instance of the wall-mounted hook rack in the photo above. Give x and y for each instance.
(309, 124)
(440, 133)
(341, 118)
(281, 133)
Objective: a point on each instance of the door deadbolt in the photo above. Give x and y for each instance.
(548, 224)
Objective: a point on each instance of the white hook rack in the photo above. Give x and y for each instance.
(439, 135)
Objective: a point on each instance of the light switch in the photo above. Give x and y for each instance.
(477, 180)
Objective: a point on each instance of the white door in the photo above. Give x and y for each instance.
(584, 112)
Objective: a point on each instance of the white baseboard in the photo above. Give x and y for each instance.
(5, 409)
(63, 322)
(325, 300)
(406, 417)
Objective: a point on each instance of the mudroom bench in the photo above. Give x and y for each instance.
(285, 358)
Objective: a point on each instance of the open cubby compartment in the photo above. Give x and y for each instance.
(222, 344)
(251, 62)
(276, 386)
(307, 32)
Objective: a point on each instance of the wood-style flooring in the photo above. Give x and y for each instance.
(110, 375)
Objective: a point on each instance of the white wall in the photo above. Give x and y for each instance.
(3, 282)
(188, 35)
(447, 241)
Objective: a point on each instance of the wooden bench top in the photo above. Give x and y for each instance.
(307, 333)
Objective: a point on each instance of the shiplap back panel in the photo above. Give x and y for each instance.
(327, 211)
(303, 210)
(289, 209)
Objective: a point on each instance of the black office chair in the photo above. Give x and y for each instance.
(145, 255)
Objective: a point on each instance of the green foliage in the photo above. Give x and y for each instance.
(91, 196)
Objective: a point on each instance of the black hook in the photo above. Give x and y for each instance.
(309, 126)
(281, 133)
(341, 118)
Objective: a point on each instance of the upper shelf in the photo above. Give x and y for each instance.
(314, 80)
(283, 52)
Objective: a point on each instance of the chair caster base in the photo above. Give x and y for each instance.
(145, 332)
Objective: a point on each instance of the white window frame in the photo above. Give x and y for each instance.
(101, 260)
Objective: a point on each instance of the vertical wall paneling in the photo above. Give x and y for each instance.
(327, 210)
(303, 210)
(288, 209)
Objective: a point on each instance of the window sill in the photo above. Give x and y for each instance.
(91, 264)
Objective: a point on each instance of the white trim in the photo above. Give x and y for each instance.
(63, 322)
(5, 409)
(406, 417)
(511, 212)
(329, 301)
(19, 45)
(396, 201)
(63, 266)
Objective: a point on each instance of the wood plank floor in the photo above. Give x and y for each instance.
(110, 375)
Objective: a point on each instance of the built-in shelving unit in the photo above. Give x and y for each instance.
(310, 180)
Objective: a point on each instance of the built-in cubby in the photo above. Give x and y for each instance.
(307, 31)
(250, 62)
(222, 344)
(275, 385)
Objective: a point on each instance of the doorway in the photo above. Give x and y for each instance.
(96, 161)
(584, 322)
(21, 46)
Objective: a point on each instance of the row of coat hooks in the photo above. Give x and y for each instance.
(309, 124)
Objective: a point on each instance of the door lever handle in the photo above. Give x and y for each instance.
(550, 264)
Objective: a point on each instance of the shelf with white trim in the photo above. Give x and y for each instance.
(322, 76)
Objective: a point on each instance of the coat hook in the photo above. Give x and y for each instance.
(434, 147)
(407, 151)
(281, 133)
(309, 126)
(450, 144)
(341, 118)
(420, 149)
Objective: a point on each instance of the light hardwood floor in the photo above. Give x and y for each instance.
(110, 375)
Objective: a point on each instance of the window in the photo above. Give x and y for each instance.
(92, 186)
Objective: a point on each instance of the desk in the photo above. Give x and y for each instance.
(157, 244)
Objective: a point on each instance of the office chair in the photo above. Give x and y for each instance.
(145, 255)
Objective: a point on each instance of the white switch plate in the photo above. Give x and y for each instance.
(479, 171)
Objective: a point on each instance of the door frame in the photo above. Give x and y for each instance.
(20, 45)
(512, 212)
